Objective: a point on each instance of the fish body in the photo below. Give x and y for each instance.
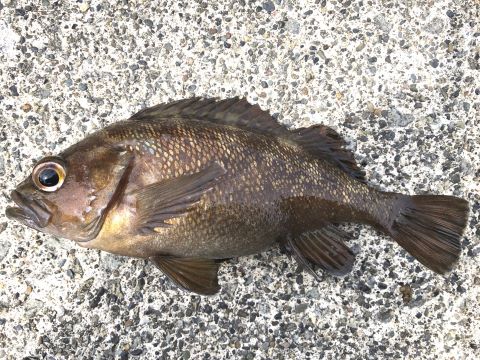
(189, 183)
(248, 208)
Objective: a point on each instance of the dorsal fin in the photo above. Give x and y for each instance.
(318, 140)
(232, 112)
(325, 143)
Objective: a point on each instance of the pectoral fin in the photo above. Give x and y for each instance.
(325, 248)
(172, 198)
(196, 275)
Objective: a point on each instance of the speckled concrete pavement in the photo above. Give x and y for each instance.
(399, 79)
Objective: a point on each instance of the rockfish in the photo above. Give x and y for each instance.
(193, 182)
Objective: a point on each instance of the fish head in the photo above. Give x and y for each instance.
(70, 194)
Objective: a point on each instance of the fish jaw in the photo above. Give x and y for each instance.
(30, 212)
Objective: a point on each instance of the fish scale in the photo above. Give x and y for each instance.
(248, 208)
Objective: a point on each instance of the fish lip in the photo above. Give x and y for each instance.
(31, 212)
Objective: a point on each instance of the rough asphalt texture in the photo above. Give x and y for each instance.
(398, 79)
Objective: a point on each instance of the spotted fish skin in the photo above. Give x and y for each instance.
(249, 209)
(192, 182)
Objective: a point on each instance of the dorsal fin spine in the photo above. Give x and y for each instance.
(319, 141)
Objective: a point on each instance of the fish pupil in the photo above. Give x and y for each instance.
(48, 177)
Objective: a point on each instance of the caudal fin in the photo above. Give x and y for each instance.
(430, 227)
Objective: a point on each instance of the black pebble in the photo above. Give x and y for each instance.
(13, 90)
(382, 286)
(455, 178)
(148, 22)
(364, 287)
(388, 134)
(434, 63)
(114, 339)
(20, 12)
(96, 300)
(136, 352)
(268, 6)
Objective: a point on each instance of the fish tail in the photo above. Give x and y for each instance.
(429, 227)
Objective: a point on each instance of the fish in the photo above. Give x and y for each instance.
(192, 183)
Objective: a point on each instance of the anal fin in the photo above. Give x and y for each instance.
(324, 248)
(192, 274)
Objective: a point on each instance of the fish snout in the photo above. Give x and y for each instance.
(29, 211)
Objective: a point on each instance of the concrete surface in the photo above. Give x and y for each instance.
(399, 79)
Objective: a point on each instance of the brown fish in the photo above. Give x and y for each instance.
(189, 183)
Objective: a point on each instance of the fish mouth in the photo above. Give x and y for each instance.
(30, 212)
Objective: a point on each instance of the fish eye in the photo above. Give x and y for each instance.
(49, 176)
